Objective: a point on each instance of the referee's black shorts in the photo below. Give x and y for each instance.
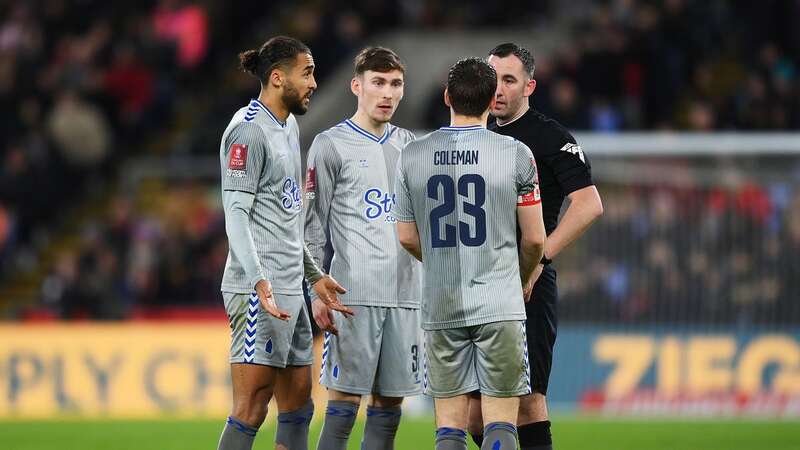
(542, 324)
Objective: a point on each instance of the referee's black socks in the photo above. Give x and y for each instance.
(535, 436)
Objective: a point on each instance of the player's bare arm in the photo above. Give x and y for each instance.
(408, 235)
(531, 246)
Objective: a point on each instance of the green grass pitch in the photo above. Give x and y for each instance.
(570, 433)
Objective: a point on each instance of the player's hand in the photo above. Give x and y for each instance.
(323, 316)
(326, 289)
(264, 291)
(527, 289)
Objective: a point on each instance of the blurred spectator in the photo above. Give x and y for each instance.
(185, 26)
(79, 130)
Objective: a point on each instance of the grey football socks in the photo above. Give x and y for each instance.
(292, 430)
(451, 439)
(339, 419)
(499, 436)
(381, 428)
(236, 436)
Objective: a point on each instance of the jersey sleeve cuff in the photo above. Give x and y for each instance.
(256, 279)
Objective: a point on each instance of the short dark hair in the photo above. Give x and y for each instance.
(524, 55)
(471, 84)
(277, 52)
(378, 59)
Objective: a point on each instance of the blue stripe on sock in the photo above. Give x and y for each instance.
(298, 417)
(380, 412)
(447, 431)
(250, 431)
(340, 412)
(499, 425)
(294, 420)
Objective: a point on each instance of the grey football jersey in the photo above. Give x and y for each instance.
(350, 197)
(261, 155)
(461, 186)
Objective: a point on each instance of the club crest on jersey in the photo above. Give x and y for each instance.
(575, 149)
(237, 163)
(291, 195)
(379, 204)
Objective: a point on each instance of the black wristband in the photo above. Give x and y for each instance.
(545, 260)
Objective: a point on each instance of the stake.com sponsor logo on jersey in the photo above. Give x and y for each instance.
(379, 204)
(291, 194)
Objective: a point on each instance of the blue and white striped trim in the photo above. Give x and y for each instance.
(380, 140)
(525, 363)
(251, 113)
(463, 128)
(256, 105)
(424, 366)
(326, 348)
(251, 328)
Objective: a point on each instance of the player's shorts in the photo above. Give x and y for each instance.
(259, 338)
(376, 352)
(542, 325)
(491, 358)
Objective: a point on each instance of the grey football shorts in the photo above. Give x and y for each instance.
(377, 351)
(491, 357)
(259, 338)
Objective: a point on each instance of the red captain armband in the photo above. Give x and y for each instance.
(530, 199)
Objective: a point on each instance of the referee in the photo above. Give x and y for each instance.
(564, 171)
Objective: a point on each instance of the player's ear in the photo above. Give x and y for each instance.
(355, 86)
(530, 87)
(276, 78)
(446, 98)
(492, 103)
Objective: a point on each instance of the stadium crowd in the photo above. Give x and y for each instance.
(720, 254)
(80, 93)
(660, 254)
(673, 65)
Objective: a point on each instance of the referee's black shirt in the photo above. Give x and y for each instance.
(562, 166)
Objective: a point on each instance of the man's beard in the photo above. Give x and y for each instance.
(293, 101)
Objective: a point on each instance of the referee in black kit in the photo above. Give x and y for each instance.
(563, 171)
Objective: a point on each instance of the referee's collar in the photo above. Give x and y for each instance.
(517, 117)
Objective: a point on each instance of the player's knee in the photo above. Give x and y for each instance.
(532, 408)
(339, 396)
(250, 412)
